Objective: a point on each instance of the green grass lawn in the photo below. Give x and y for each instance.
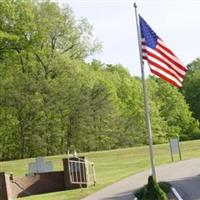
(111, 166)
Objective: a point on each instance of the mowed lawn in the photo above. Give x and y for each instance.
(111, 166)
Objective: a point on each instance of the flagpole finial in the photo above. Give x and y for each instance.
(135, 5)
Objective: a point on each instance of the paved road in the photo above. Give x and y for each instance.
(184, 175)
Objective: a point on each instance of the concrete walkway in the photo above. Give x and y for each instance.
(183, 175)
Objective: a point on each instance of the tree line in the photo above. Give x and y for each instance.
(53, 101)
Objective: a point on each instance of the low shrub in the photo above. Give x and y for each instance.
(153, 190)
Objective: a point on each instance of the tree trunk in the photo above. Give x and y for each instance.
(22, 139)
(69, 134)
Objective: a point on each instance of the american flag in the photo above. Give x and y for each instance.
(162, 61)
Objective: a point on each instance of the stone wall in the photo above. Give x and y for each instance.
(5, 188)
(30, 185)
(39, 183)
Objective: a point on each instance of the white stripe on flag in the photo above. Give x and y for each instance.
(166, 67)
(166, 60)
(169, 55)
(166, 75)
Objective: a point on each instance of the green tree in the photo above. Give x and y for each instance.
(175, 112)
(36, 38)
(191, 89)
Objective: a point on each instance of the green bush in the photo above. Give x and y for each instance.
(152, 191)
(166, 187)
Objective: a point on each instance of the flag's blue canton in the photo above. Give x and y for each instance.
(148, 34)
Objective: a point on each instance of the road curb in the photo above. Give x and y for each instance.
(177, 195)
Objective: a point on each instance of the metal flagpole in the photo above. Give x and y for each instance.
(148, 122)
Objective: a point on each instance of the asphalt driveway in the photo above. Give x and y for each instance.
(183, 175)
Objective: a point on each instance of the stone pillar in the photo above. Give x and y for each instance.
(5, 188)
(66, 173)
(78, 173)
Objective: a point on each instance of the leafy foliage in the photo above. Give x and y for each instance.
(52, 101)
(152, 191)
(191, 89)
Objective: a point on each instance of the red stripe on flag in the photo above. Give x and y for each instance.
(170, 59)
(164, 62)
(166, 49)
(163, 69)
(165, 78)
(144, 50)
(144, 57)
(143, 43)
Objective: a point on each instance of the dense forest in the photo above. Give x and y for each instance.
(53, 101)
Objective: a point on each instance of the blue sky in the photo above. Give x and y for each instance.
(176, 22)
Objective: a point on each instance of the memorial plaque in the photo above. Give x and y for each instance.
(49, 166)
(40, 164)
(31, 168)
(175, 148)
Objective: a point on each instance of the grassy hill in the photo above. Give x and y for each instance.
(111, 166)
